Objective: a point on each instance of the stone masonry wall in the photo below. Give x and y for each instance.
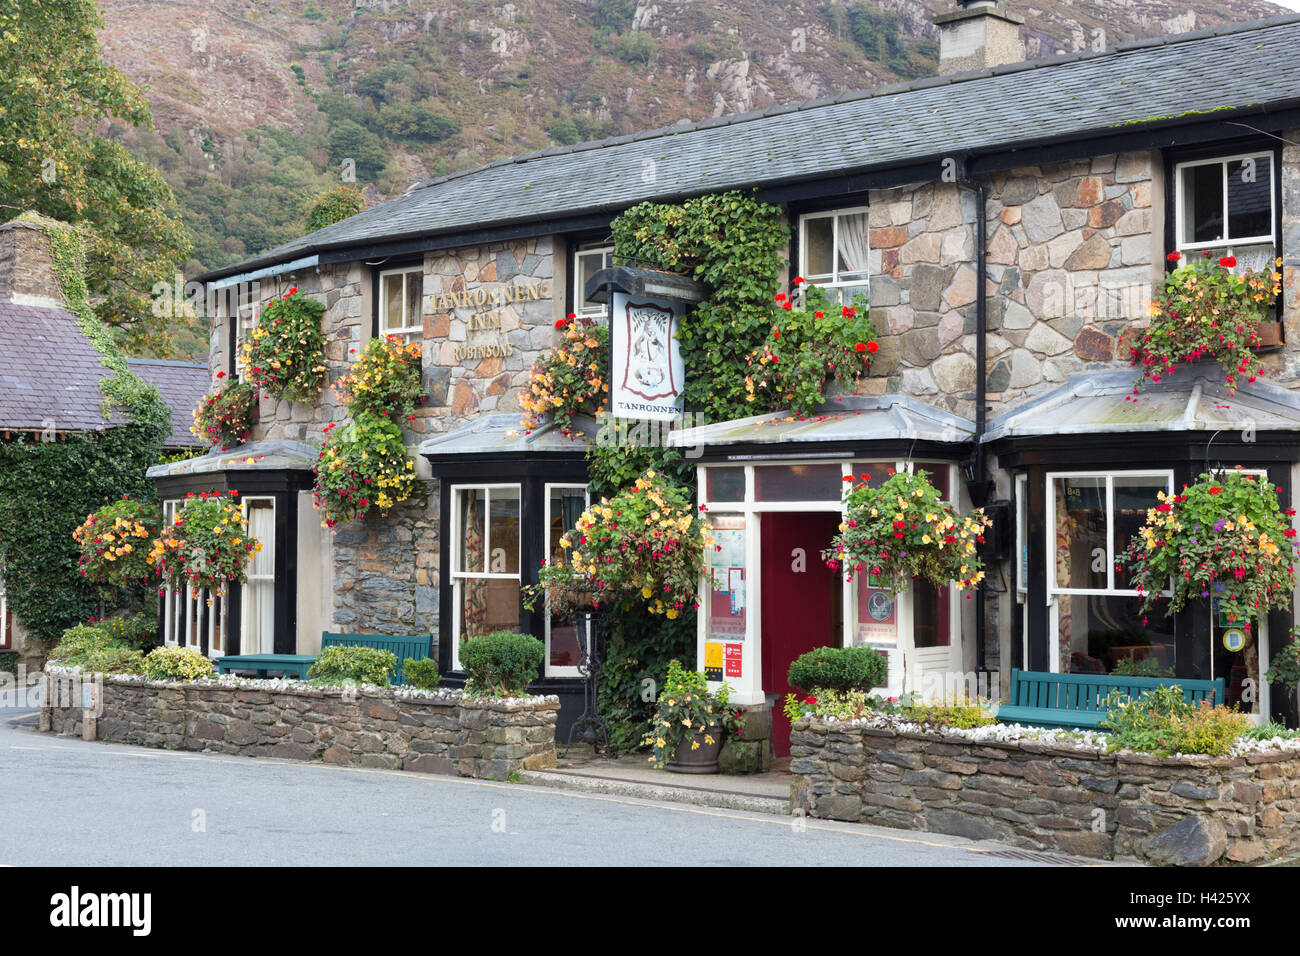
(371, 728)
(1038, 795)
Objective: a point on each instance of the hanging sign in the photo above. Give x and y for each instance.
(646, 368)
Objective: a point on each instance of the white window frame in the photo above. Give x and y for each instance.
(833, 281)
(1053, 591)
(1180, 211)
(266, 545)
(580, 308)
(181, 608)
(409, 330)
(548, 487)
(458, 576)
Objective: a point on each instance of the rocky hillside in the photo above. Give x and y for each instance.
(257, 103)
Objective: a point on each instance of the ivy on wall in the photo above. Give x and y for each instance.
(48, 487)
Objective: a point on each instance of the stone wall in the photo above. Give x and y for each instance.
(1036, 794)
(370, 727)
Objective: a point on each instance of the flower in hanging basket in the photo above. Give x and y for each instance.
(1203, 310)
(904, 530)
(1223, 536)
(115, 542)
(385, 380)
(206, 546)
(224, 418)
(571, 379)
(362, 465)
(285, 355)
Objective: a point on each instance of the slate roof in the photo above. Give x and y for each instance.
(181, 385)
(1075, 96)
(500, 433)
(268, 455)
(49, 372)
(1191, 399)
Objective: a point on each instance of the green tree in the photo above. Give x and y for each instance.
(56, 94)
(334, 205)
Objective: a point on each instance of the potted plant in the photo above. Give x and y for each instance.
(1204, 310)
(1224, 538)
(285, 355)
(206, 546)
(362, 466)
(225, 417)
(690, 722)
(903, 530)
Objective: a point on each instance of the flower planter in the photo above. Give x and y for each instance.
(1270, 334)
(703, 759)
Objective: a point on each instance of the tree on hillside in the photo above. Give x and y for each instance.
(333, 206)
(59, 155)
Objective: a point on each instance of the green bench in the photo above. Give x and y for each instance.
(1076, 700)
(289, 665)
(404, 648)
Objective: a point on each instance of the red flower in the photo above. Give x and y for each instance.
(873, 348)
(847, 478)
(1174, 256)
(848, 312)
(1214, 489)
(819, 315)
(561, 323)
(781, 297)
(860, 347)
(1289, 532)
(810, 700)
(221, 375)
(776, 335)
(787, 305)
(1228, 262)
(798, 280)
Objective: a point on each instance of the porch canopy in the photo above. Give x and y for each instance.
(859, 426)
(258, 456)
(499, 438)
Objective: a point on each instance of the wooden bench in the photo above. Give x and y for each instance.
(404, 648)
(1078, 700)
(289, 665)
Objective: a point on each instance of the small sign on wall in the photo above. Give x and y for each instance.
(734, 655)
(713, 660)
(646, 368)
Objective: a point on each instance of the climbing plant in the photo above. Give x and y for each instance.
(48, 487)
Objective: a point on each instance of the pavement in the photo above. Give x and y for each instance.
(72, 802)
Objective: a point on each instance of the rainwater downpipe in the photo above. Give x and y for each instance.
(979, 490)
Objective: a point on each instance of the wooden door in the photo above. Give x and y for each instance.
(801, 600)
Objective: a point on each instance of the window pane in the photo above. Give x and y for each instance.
(489, 604)
(929, 614)
(845, 294)
(1081, 558)
(1203, 203)
(391, 317)
(472, 530)
(414, 295)
(503, 530)
(1098, 632)
(852, 242)
(566, 507)
(589, 263)
(798, 483)
(819, 247)
(1133, 497)
(725, 484)
(566, 647)
(257, 594)
(1250, 198)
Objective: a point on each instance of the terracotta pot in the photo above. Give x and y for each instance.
(703, 759)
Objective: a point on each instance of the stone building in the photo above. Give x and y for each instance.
(1008, 224)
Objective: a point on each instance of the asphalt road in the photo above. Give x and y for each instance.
(69, 802)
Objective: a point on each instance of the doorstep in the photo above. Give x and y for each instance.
(633, 776)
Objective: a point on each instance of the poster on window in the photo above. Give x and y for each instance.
(646, 367)
(727, 578)
(877, 615)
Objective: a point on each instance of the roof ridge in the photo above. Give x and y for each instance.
(852, 96)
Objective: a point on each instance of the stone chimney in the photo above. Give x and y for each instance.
(979, 36)
(26, 269)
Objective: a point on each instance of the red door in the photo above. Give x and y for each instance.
(801, 602)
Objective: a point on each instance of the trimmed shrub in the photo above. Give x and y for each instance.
(501, 664)
(422, 673)
(176, 663)
(360, 665)
(80, 641)
(839, 668)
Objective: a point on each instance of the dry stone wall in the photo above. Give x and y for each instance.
(370, 727)
(1186, 810)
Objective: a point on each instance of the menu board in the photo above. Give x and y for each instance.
(727, 578)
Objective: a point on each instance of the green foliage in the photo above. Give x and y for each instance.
(176, 663)
(356, 665)
(1223, 537)
(957, 713)
(839, 669)
(1146, 667)
(1269, 731)
(362, 466)
(384, 381)
(734, 245)
(636, 46)
(115, 541)
(1162, 722)
(637, 651)
(824, 702)
(286, 352)
(1284, 666)
(416, 122)
(351, 140)
(421, 672)
(95, 650)
(334, 205)
(207, 545)
(60, 155)
(570, 379)
(501, 664)
(613, 465)
(880, 36)
(614, 15)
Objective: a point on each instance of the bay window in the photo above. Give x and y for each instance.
(192, 620)
(401, 298)
(833, 251)
(1095, 612)
(485, 561)
(1226, 206)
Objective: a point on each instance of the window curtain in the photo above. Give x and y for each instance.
(474, 618)
(1064, 527)
(853, 246)
(257, 620)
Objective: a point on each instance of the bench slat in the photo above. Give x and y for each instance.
(1064, 700)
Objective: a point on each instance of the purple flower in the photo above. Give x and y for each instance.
(1218, 525)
